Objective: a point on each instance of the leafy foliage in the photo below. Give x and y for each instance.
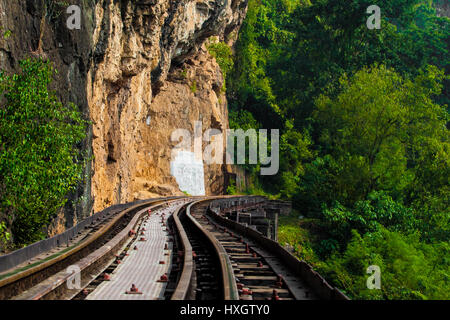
(231, 189)
(39, 161)
(410, 269)
(224, 56)
(364, 133)
(381, 141)
(4, 234)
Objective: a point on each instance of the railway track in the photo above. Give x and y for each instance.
(181, 250)
(253, 268)
(205, 263)
(95, 247)
(255, 279)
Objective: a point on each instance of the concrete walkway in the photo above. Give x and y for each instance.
(142, 267)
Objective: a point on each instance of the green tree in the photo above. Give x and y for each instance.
(410, 269)
(331, 38)
(385, 132)
(224, 56)
(39, 161)
(290, 52)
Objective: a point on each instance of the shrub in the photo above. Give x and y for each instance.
(231, 189)
(409, 268)
(224, 56)
(39, 161)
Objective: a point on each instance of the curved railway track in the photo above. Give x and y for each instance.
(45, 278)
(206, 267)
(252, 274)
(192, 253)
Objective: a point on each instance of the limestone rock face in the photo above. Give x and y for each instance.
(442, 9)
(138, 70)
(153, 75)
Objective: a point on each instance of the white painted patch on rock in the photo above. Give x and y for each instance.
(188, 173)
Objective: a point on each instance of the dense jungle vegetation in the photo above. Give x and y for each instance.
(364, 140)
(40, 161)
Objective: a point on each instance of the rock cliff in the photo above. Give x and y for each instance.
(442, 8)
(138, 70)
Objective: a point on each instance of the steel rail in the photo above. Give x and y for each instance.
(6, 284)
(230, 291)
(95, 262)
(319, 285)
(184, 285)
